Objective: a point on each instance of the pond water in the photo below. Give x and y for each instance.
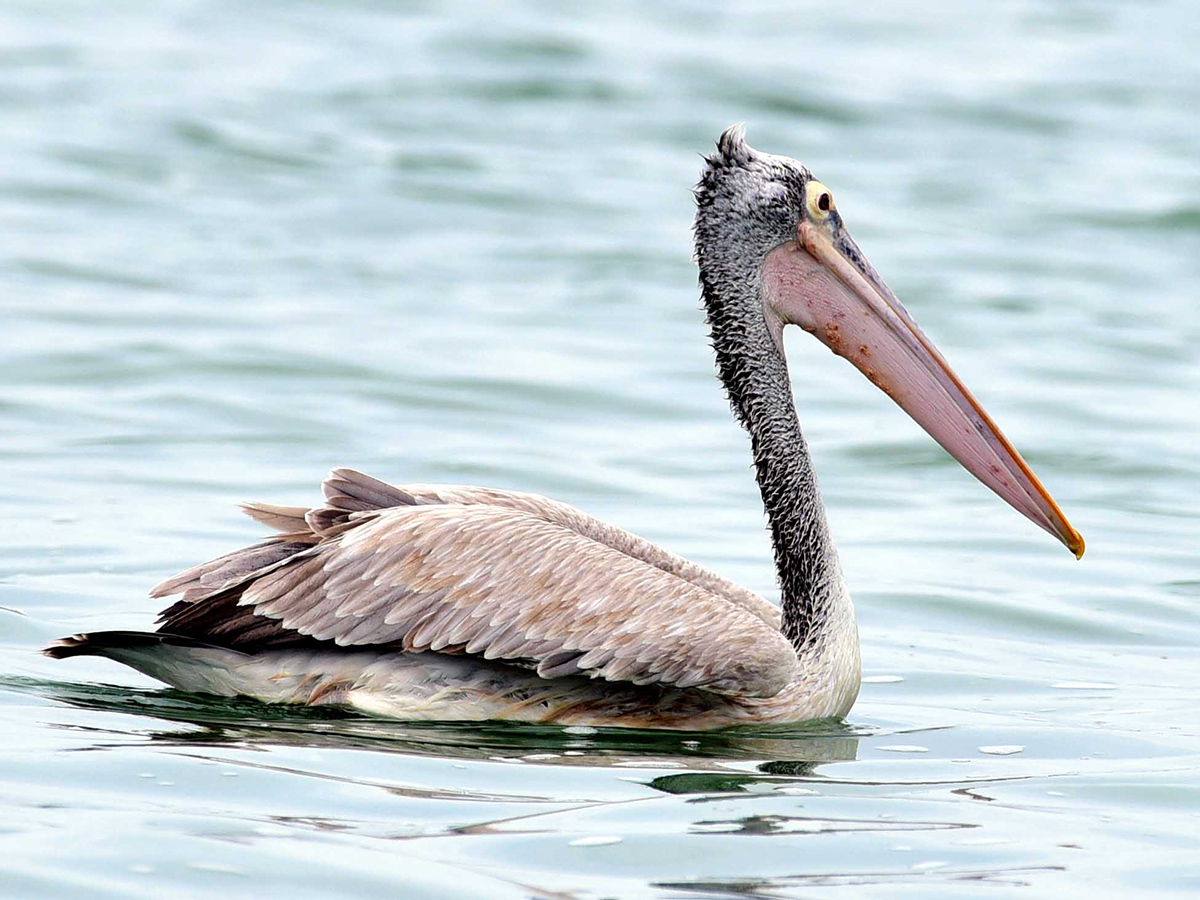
(437, 242)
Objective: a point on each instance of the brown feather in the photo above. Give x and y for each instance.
(509, 576)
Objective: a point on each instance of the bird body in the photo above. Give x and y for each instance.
(450, 602)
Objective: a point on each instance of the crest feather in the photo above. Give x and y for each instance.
(733, 147)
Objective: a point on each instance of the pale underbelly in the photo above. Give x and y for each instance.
(432, 686)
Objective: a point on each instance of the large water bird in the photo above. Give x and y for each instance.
(449, 602)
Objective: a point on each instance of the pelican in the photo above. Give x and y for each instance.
(446, 602)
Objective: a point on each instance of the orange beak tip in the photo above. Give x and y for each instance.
(1076, 544)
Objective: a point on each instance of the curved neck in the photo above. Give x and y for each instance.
(755, 375)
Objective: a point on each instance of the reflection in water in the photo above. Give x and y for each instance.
(778, 825)
(1019, 876)
(722, 786)
(793, 752)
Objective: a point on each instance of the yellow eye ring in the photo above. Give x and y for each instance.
(819, 200)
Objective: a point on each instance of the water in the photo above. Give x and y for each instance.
(247, 242)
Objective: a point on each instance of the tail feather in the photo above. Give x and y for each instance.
(106, 643)
(181, 662)
(287, 676)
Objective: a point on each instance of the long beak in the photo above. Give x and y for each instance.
(858, 317)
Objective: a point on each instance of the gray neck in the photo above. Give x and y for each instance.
(755, 375)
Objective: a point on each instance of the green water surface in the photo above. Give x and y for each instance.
(245, 242)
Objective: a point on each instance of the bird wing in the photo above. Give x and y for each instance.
(348, 490)
(503, 580)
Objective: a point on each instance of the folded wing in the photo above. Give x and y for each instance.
(503, 576)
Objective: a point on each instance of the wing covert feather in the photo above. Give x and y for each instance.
(348, 491)
(508, 584)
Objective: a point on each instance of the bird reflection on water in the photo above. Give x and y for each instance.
(784, 751)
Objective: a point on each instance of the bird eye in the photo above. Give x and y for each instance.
(820, 200)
